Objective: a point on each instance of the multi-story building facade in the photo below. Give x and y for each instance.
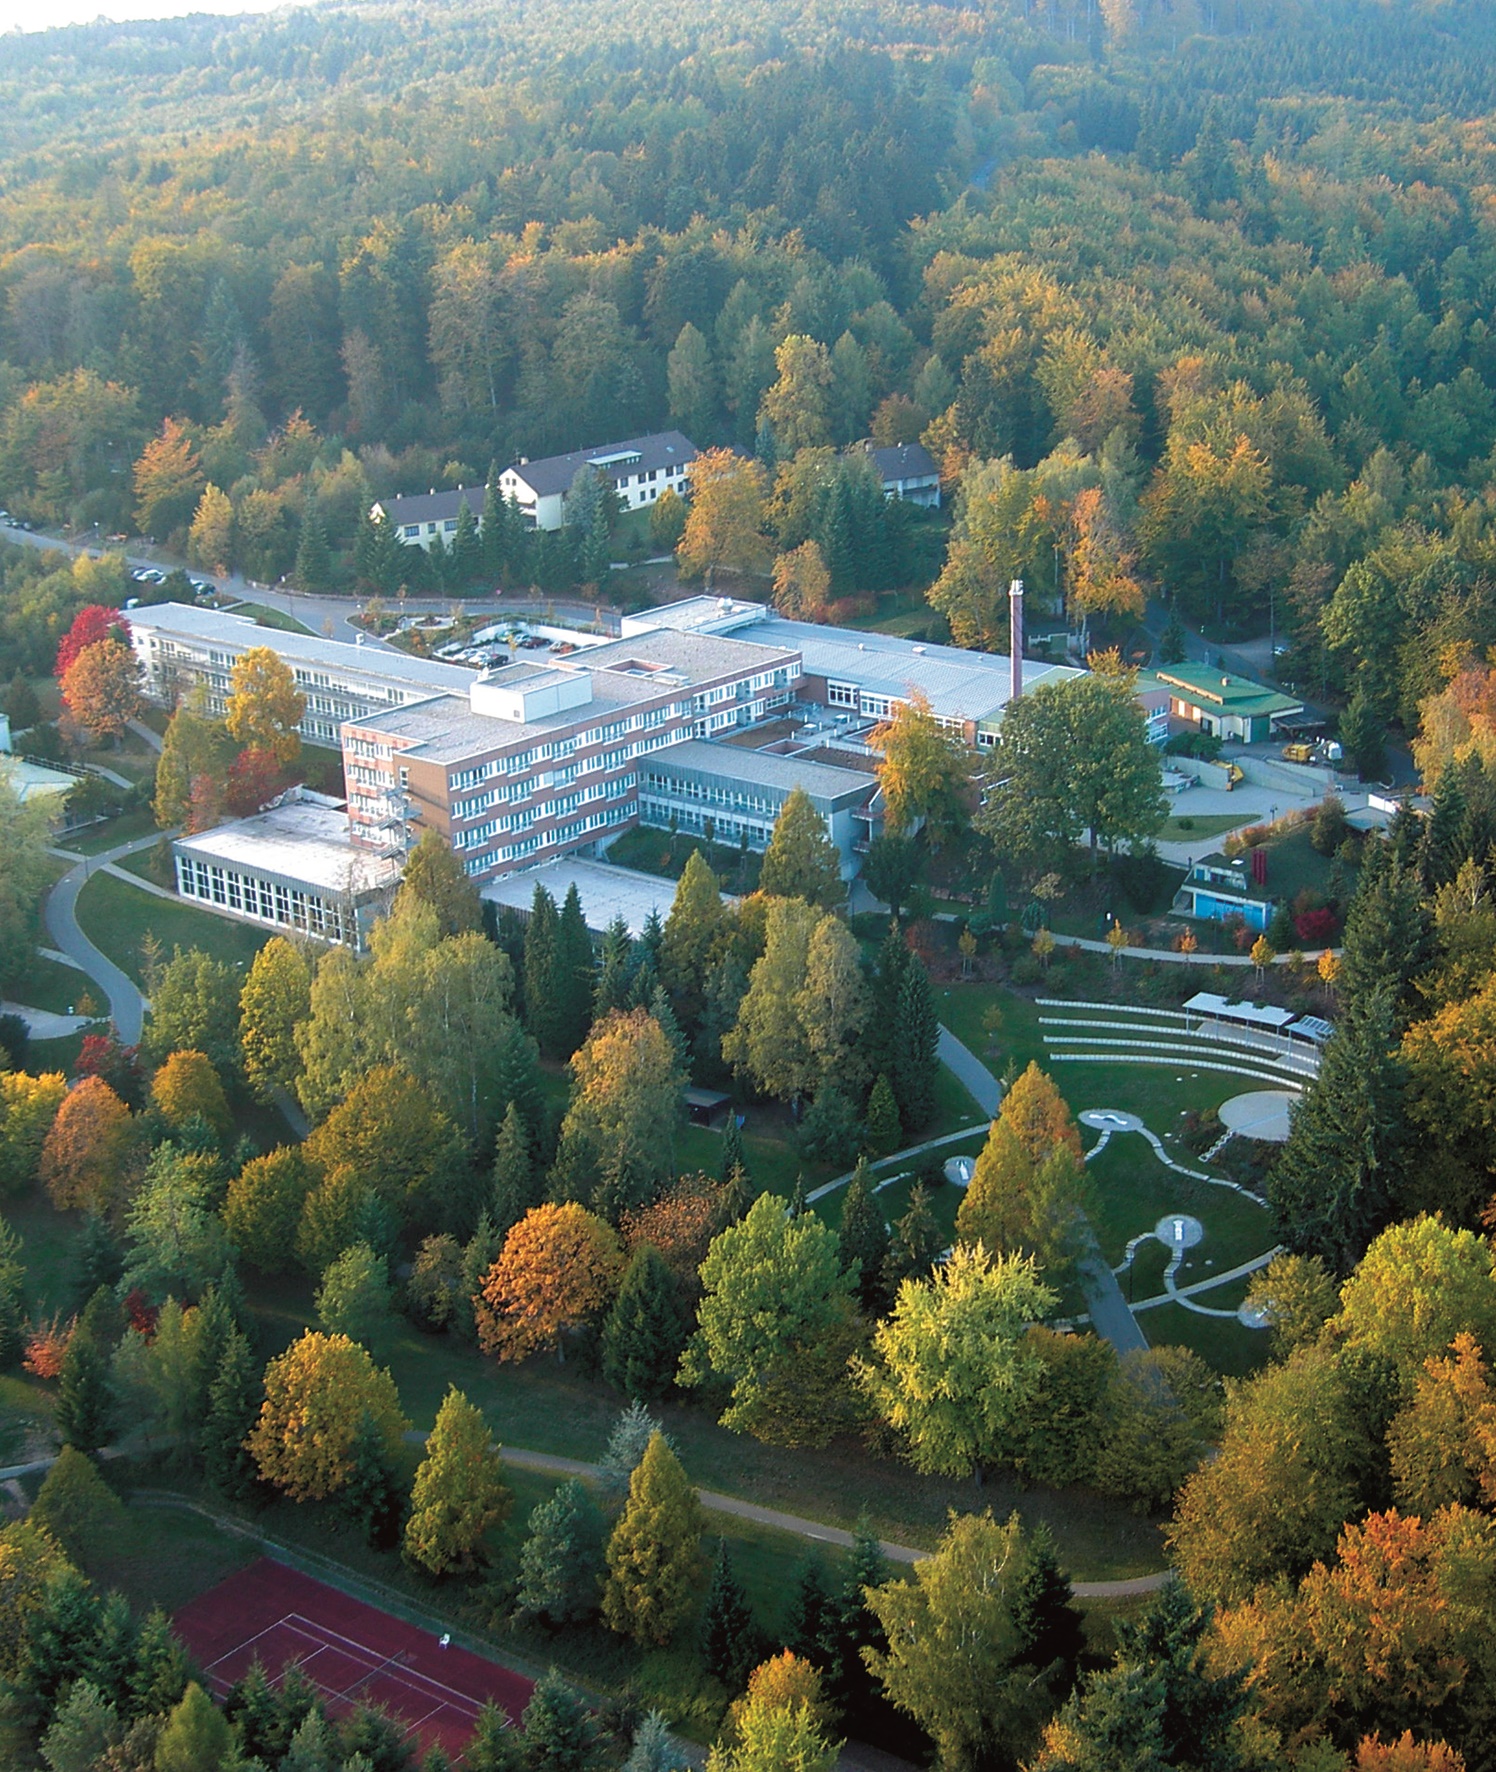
(639, 469)
(180, 646)
(540, 760)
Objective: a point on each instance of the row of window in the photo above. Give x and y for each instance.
(740, 799)
(264, 900)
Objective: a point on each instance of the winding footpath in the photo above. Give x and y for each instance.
(126, 1005)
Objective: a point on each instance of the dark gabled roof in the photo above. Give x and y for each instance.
(555, 473)
(904, 461)
(432, 507)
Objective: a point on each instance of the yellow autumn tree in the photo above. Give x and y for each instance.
(210, 542)
(459, 1493)
(802, 582)
(168, 479)
(318, 1396)
(187, 1087)
(725, 521)
(28, 1106)
(265, 706)
(559, 1267)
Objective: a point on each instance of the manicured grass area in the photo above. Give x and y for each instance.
(109, 835)
(1199, 825)
(47, 1237)
(557, 1409)
(650, 851)
(1134, 1190)
(116, 918)
(264, 616)
(54, 1055)
(47, 984)
(1227, 1346)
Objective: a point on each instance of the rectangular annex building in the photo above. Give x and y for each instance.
(180, 645)
(727, 793)
(292, 867)
(537, 760)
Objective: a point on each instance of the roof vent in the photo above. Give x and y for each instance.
(920, 651)
(1225, 682)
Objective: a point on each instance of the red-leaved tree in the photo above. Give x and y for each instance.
(254, 779)
(90, 625)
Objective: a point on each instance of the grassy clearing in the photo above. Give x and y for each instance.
(47, 1237)
(649, 851)
(264, 616)
(1197, 825)
(116, 918)
(47, 984)
(111, 833)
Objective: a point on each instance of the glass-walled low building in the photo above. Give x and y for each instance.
(293, 868)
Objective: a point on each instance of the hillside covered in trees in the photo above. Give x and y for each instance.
(1192, 297)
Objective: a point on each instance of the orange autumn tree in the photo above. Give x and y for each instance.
(86, 1154)
(101, 689)
(1407, 1755)
(680, 1224)
(559, 1267)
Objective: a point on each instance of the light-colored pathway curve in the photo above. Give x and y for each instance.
(46, 1024)
(126, 1005)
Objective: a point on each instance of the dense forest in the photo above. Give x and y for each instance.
(1199, 293)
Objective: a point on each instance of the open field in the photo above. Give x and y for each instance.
(116, 918)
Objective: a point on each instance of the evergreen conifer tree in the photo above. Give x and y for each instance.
(371, 1497)
(95, 1259)
(810, 1624)
(884, 1131)
(734, 1154)
(561, 1562)
(729, 1634)
(646, 1329)
(111, 1655)
(852, 1627)
(652, 1749)
(161, 1669)
(479, 1254)
(13, 1313)
(540, 972)
(196, 1736)
(1388, 938)
(495, 1745)
(516, 1184)
(917, 1242)
(863, 1237)
(654, 1554)
(515, 1070)
(1335, 1180)
(615, 970)
(85, 1402)
(573, 976)
(660, 1009)
(1051, 1627)
(560, 1734)
(313, 556)
(880, 1045)
(916, 1064)
(467, 549)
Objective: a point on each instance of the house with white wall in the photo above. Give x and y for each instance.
(640, 469)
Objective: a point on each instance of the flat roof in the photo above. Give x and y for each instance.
(33, 781)
(959, 684)
(217, 627)
(299, 842)
(693, 656)
(763, 768)
(606, 892)
(1266, 1015)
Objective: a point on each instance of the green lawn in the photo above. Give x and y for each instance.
(649, 851)
(1200, 825)
(47, 1237)
(111, 833)
(265, 616)
(47, 984)
(115, 917)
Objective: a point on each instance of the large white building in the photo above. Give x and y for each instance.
(180, 645)
(640, 469)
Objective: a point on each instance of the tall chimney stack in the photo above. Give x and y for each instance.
(1015, 637)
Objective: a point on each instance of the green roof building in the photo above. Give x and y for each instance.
(1225, 706)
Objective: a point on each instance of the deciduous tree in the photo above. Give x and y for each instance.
(952, 1366)
(187, 1088)
(772, 1323)
(617, 1146)
(87, 1154)
(560, 1268)
(276, 999)
(434, 875)
(924, 773)
(725, 516)
(317, 1394)
(101, 689)
(264, 1205)
(265, 706)
(28, 1107)
(355, 1299)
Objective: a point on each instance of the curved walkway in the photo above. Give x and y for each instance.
(126, 1005)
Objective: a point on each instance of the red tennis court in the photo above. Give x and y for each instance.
(352, 1653)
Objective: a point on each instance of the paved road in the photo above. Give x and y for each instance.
(983, 1088)
(126, 1005)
